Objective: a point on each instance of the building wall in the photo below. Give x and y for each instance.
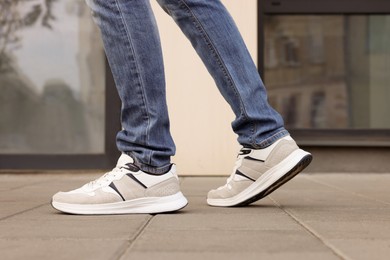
(200, 118)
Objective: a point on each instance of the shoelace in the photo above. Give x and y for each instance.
(108, 177)
(237, 164)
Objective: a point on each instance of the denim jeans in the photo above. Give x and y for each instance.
(132, 45)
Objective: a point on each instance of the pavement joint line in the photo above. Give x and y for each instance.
(346, 191)
(44, 239)
(21, 212)
(27, 185)
(139, 232)
(311, 231)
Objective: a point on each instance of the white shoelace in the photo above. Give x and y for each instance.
(108, 177)
(237, 165)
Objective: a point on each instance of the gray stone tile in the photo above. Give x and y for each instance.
(232, 221)
(10, 182)
(336, 214)
(351, 229)
(200, 186)
(48, 176)
(339, 213)
(61, 249)
(363, 249)
(40, 191)
(198, 205)
(11, 185)
(231, 255)
(348, 212)
(374, 186)
(46, 223)
(28, 194)
(12, 208)
(265, 241)
(329, 205)
(301, 192)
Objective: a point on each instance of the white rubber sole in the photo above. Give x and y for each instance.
(147, 205)
(284, 171)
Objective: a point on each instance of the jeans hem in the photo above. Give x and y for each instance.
(270, 140)
(148, 168)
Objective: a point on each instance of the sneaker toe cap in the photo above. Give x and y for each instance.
(95, 197)
(60, 197)
(216, 194)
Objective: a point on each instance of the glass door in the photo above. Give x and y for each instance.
(57, 99)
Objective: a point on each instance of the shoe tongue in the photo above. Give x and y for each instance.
(123, 160)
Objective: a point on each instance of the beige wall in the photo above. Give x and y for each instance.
(200, 118)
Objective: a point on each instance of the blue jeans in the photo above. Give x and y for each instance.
(133, 49)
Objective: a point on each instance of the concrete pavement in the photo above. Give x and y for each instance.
(318, 216)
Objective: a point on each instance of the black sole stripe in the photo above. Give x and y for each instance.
(243, 175)
(136, 180)
(112, 185)
(253, 159)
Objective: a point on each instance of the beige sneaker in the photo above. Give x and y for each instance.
(124, 190)
(259, 172)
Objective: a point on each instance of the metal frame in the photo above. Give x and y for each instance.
(77, 161)
(319, 137)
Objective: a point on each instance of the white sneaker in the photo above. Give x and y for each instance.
(259, 172)
(124, 190)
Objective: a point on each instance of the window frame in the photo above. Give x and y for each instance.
(325, 137)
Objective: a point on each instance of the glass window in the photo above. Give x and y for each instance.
(52, 79)
(329, 71)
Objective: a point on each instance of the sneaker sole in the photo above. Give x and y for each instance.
(269, 181)
(147, 205)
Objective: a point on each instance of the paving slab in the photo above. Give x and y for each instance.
(61, 249)
(10, 208)
(374, 186)
(200, 186)
(270, 241)
(39, 189)
(47, 223)
(302, 192)
(351, 229)
(335, 214)
(319, 216)
(230, 255)
(271, 220)
(197, 205)
(363, 249)
(7, 184)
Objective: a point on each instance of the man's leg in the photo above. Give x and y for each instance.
(143, 180)
(133, 49)
(270, 157)
(215, 37)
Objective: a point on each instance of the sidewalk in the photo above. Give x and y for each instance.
(319, 216)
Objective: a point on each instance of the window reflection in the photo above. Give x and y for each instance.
(51, 79)
(329, 72)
